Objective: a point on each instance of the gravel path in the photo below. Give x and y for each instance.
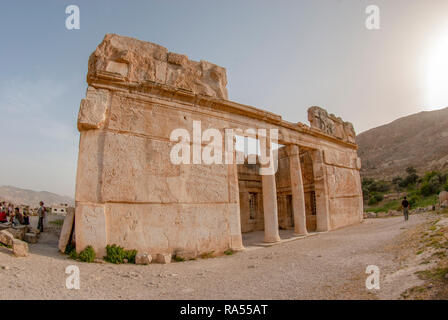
(326, 266)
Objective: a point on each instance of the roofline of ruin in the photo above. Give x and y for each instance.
(115, 81)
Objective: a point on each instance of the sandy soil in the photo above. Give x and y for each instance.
(325, 266)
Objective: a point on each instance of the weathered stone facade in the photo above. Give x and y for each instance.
(129, 193)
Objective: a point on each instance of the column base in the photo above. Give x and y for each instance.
(300, 234)
(272, 240)
(238, 249)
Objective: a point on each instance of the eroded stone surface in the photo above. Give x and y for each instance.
(140, 62)
(143, 258)
(18, 232)
(163, 258)
(19, 248)
(330, 124)
(66, 230)
(6, 237)
(30, 237)
(443, 196)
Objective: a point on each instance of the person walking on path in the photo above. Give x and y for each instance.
(41, 214)
(405, 206)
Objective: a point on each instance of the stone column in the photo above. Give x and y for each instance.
(236, 239)
(298, 196)
(269, 202)
(321, 191)
(270, 208)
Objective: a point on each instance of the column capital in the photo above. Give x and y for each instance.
(292, 150)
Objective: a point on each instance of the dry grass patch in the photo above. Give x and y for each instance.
(433, 245)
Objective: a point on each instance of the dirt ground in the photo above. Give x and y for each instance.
(325, 266)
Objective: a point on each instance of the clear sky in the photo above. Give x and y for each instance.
(282, 56)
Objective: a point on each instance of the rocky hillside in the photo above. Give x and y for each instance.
(32, 198)
(419, 140)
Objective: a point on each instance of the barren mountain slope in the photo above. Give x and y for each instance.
(419, 140)
(32, 198)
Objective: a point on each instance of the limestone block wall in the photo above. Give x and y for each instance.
(343, 185)
(129, 193)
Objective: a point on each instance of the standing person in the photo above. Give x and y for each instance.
(41, 214)
(405, 205)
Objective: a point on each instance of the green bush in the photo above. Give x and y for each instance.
(130, 255)
(371, 185)
(116, 254)
(70, 250)
(178, 259)
(87, 255)
(375, 198)
(229, 252)
(365, 193)
(445, 186)
(409, 180)
(432, 185)
(425, 189)
(429, 175)
(397, 181)
(413, 200)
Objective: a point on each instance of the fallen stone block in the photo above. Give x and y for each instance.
(4, 226)
(185, 255)
(443, 196)
(18, 233)
(163, 258)
(19, 248)
(33, 230)
(30, 237)
(381, 215)
(371, 215)
(143, 258)
(394, 213)
(6, 238)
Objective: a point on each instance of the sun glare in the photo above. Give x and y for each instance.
(437, 74)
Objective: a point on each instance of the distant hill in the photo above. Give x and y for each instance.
(419, 140)
(29, 197)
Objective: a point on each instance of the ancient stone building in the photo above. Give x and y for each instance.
(130, 193)
(60, 209)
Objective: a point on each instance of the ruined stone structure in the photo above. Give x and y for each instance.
(60, 209)
(129, 193)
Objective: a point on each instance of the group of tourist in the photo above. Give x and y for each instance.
(12, 215)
